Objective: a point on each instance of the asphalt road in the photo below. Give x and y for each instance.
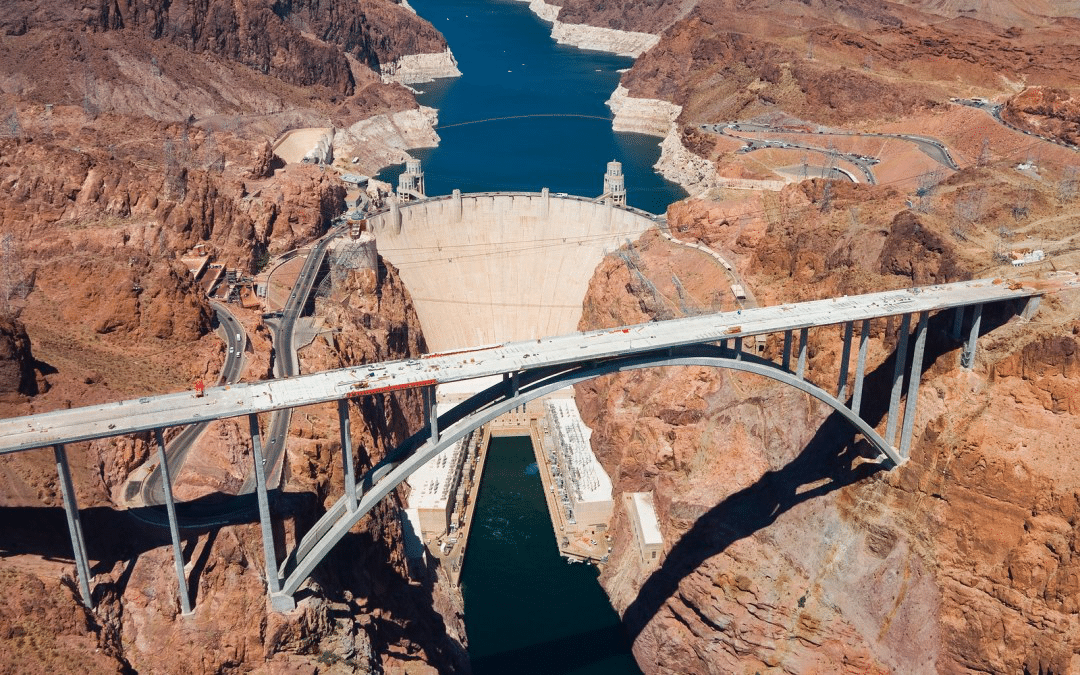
(931, 147)
(285, 361)
(177, 449)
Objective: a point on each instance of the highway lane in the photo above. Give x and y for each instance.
(286, 363)
(176, 450)
(123, 417)
(994, 110)
(931, 147)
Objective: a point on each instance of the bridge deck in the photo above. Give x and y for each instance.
(112, 419)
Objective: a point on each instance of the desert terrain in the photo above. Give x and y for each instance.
(133, 134)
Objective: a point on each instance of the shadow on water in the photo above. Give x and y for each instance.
(832, 457)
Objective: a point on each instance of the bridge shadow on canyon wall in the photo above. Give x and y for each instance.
(359, 577)
(832, 460)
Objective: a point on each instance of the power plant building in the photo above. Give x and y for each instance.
(583, 487)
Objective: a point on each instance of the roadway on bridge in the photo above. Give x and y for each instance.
(112, 419)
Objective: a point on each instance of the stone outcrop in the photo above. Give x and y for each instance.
(1049, 112)
(17, 374)
(416, 68)
(383, 140)
(622, 42)
(642, 115)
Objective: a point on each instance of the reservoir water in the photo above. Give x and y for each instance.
(528, 113)
(526, 609)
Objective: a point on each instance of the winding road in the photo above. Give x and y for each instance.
(931, 147)
(178, 448)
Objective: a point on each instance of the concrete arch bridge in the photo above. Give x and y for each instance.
(530, 369)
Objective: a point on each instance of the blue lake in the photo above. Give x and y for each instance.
(528, 113)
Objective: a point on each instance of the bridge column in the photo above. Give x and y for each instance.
(898, 379)
(957, 323)
(273, 583)
(787, 350)
(803, 334)
(174, 528)
(71, 509)
(1031, 306)
(860, 366)
(346, 453)
(432, 412)
(914, 380)
(738, 349)
(841, 389)
(967, 357)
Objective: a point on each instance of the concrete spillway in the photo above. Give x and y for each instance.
(497, 267)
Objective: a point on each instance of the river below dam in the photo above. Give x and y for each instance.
(526, 609)
(528, 113)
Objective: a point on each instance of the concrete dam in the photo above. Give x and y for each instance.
(493, 267)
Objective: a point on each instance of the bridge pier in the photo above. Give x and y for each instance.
(738, 349)
(787, 350)
(957, 323)
(914, 380)
(346, 453)
(174, 528)
(432, 407)
(273, 583)
(860, 366)
(967, 357)
(804, 334)
(898, 379)
(845, 357)
(71, 509)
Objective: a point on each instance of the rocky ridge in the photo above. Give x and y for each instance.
(132, 135)
(622, 42)
(786, 550)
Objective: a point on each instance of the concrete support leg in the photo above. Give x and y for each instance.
(841, 388)
(786, 364)
(723, 345)
(1031, 307)
(860, 366)
(957, 322)
(898, 379)
(346, 453)
(738, 349)
(273, 583)
(71, 509)
(967, 358)
(914, 379)
(804, 334)
(174, 528)
(433, 410)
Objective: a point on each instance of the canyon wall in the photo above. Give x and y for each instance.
(585, 36)
(131, 135)
(788, 547)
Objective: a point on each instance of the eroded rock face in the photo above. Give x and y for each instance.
(786, 551)
(17, 374)
(266, 37)
(1048, 111)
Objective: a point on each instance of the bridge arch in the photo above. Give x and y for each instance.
(504, 397)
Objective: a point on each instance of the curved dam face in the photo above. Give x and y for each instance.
(494, 267)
